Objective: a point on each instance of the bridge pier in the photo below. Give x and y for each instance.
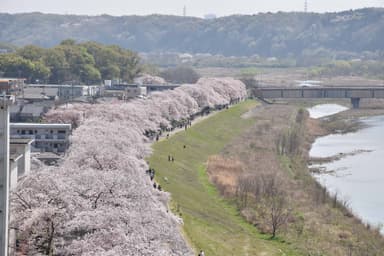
(355, 102)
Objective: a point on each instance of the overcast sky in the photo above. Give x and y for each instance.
(175, 7)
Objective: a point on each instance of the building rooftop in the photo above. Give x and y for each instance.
(58, 86)
(34, 110)
(14, 108)
(40, 93)
(8, 79)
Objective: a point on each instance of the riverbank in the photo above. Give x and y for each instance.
(211, 223)
(347, 121)
(318, 223)
(349, 165)
(225, 149)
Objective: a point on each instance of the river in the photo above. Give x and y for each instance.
(358, 176)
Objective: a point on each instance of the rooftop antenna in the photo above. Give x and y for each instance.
(184, 11)
(306, 6)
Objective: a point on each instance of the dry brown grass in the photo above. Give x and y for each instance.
(224, 173)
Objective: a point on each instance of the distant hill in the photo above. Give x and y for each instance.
(268, 34)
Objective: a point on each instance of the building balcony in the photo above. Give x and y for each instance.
(22, 136)
(40, 138)
(51, 140)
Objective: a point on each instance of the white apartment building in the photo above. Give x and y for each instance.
(47, 137)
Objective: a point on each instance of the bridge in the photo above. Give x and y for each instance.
(354, 93)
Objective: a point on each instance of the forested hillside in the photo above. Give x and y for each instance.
(87, 62)
(267, 34)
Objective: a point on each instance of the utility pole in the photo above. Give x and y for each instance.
(306, 6)
(185, 11)
(5, 102)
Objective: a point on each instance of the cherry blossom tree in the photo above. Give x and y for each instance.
(99, 200)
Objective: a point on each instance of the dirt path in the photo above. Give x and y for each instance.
(195, 121)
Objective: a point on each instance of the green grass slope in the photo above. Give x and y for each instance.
(211, 223)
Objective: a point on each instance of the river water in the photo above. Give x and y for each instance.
(325, 110)
(358, 176)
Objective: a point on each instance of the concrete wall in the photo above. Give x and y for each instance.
(26, 160)
(24, 151)
(13, 185)
(13, 177)
(4, 179)
(13, 173)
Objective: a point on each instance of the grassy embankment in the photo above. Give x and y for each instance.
(210, 222)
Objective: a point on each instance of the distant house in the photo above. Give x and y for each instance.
(32, 112)
(129, 91)
(12, 86)
(47, 137)
(29, 112)
(61, 93)
(38, 94)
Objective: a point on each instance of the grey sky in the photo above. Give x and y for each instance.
(175, 7)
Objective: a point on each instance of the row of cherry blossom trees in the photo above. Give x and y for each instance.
(99, 201)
